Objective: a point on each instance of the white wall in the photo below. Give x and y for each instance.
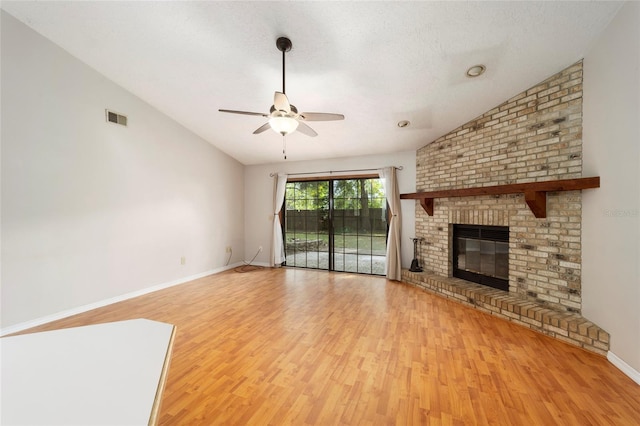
(611, 214)
(259, 196)
(93, 210)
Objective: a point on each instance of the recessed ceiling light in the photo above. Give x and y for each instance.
(476, 70)
(403, 123)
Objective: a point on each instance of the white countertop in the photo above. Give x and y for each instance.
(105, 374)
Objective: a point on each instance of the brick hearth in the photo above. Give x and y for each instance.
(566, 326)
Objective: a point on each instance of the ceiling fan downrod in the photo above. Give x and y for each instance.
(284, 45)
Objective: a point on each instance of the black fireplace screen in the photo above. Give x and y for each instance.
(481, 254)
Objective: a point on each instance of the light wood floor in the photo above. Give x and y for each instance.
(302, 347)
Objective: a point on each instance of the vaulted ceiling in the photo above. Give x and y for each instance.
(375, 62)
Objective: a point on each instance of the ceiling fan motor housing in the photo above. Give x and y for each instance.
(294, 110)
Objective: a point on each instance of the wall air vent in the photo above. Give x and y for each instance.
(114, 117)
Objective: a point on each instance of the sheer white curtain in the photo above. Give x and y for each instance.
(390, 185)
(277, 246)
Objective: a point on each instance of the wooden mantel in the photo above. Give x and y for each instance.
(535, 193)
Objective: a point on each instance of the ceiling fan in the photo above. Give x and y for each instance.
(284, 118)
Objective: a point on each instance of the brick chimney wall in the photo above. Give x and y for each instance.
(534, 136)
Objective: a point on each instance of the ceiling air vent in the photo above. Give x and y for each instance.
(114, 117)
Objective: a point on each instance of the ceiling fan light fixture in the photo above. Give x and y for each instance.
(283, 125)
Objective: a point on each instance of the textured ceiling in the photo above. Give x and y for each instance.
(375, 62)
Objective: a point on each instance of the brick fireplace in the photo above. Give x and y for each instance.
(534, 136)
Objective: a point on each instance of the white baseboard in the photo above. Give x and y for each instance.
(80, 309)
(624, 367)
(263, 264)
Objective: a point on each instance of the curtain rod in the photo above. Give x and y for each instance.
(334, 171)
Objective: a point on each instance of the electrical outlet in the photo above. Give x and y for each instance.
(259, 249)
(228, 249)
(183, 260)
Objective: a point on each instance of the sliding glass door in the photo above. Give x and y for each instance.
(359, 226)
(306, 224)
(336, 224)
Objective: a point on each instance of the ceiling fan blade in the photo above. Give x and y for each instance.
(262, 128)
(281, 102)
(261, 114)
(320, 116)
(306, 130)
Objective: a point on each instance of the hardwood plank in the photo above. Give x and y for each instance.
(291, 346)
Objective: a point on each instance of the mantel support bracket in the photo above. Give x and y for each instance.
(537, 202)
(427, 205)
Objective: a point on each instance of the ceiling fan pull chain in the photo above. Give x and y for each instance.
(284, 146)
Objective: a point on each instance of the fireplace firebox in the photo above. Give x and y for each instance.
(481, 254)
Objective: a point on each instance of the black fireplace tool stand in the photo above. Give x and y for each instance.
(415, 264)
